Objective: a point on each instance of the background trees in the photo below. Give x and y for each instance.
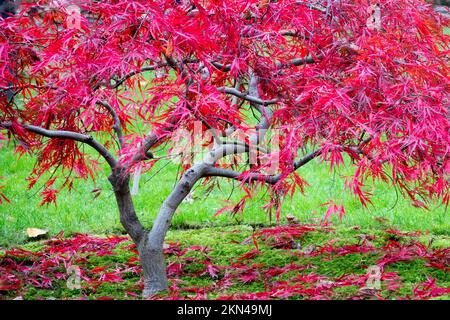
(334, 80)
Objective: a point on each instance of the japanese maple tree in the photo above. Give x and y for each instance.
(356, 79)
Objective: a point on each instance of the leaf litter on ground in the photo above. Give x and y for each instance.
(295, 261)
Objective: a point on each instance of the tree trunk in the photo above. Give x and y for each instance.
(151, 258)
(154, 266)
(150, 244)
(121, 185)
(151, 248)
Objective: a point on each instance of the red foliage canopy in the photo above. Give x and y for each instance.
(365, 79)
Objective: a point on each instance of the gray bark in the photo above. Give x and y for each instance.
(151, 247)
(121, 185)
(151, 256)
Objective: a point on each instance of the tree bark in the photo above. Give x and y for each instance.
(150, 244)
(121, 185)
(151, 256)
(151, 247)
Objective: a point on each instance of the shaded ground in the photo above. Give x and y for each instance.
(286, 262)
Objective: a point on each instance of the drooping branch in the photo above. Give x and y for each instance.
(117, 127)
(61, 134)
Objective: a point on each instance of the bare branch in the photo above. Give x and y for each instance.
(270, 179)
(61, 134)
(133, 73)
(297, 62)
(224, 150)
(247, 97)
(231, 174)
(293, 62)
(307, 158)
(221, 67)
(273, 179)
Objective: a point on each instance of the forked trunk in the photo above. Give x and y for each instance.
(150, 244)
(151, 257)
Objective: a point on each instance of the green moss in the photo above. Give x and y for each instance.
(224, 246)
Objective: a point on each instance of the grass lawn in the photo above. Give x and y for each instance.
(79, 211)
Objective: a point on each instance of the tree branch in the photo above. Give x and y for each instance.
(270, 179)
(70, 135)
(247, 97)
(266, 118)
(266, 113)
(117, 127)
(231, 174)
(221, 67)
(312, 6)
(133, 73)
(273, 179)
(307, 158)
(293, 62)
(297, 62)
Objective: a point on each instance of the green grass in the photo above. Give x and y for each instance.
(78, 211)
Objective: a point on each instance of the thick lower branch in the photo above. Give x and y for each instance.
(61, 134)
(273, 179)
(250, 177)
